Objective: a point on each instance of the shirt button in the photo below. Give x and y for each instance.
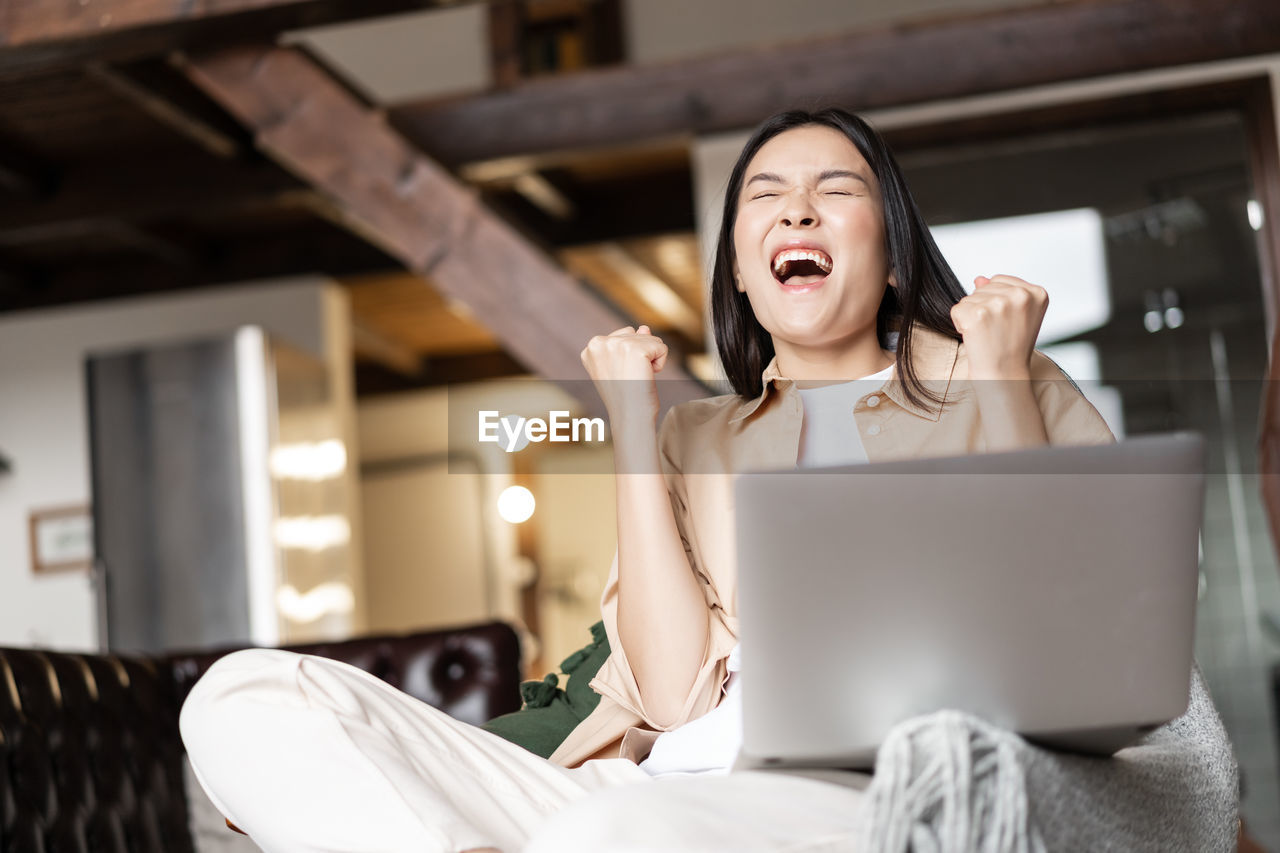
(873, 400)
(874, 429)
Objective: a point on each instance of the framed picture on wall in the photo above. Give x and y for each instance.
(61, 539)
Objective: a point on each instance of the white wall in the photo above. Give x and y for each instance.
(415, 426)
(422, 566)
(577, 536)
(43, 420)
(427, 54)
(427, 536)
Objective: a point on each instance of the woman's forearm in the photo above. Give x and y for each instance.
(662, 613)
(1011, 418)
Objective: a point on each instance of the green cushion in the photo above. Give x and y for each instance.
(551, 712)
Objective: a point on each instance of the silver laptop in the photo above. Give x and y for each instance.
(1049, 591)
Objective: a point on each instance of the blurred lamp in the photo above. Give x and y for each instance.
(515, 504)
(329, 597)
(312, 532)
(319, 460)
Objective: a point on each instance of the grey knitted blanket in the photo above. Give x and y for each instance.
(952, 783)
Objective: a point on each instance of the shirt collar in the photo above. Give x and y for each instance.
(933, 355)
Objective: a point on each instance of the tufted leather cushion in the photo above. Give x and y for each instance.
(91, 759)
(91, 756)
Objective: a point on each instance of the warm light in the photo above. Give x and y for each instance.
(321, 460)
(676, 254)
(705, 366)
(653, 291)
(1255, 214)
(515, 504)
(330, 597)
(312, 532)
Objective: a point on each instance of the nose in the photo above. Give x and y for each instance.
(799, 212)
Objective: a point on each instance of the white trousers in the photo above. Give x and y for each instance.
(309, 754)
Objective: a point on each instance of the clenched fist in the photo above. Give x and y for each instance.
(999, 322)
(623, 365)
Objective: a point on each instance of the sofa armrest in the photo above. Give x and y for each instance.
(90, 757)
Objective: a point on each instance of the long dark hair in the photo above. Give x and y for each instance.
(927, 288)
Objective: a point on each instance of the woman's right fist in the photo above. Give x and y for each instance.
(625, 354)
(623, 364)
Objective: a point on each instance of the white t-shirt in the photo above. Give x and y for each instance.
(828, 433)
(828, 436)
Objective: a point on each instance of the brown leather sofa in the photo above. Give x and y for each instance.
(91, 760)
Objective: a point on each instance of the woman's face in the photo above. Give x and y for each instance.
(809, 239)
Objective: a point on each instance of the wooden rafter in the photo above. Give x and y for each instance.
(156, 192)
(30, 22)
(374, 378)
(14, 279)
(286, 254)
(126, 84)
(40, 33)
(871, 68)
(373, 345)
(23, 175)
(655, 203)
(415, 210)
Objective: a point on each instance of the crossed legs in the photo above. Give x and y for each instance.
(309, 754)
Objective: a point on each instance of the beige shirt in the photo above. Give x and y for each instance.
(704, 442)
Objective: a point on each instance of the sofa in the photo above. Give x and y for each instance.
(91, 760)
(90, 756)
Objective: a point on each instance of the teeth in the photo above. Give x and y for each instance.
(789, 255)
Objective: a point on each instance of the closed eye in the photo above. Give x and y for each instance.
(763, 195)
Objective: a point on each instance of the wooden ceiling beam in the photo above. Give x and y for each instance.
(24, 175)
(415, 210)
(126, 194)
(621, 208)
(310, 251)
(37, 34)
(370, 344)
(132, 84)
(657, 294)
(16, 280)
(439, 371)
(871, 68)
(151, 244)
(122, 234)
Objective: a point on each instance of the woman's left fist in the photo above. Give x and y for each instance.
(999, 322)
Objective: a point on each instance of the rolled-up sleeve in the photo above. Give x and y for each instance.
(615, 678)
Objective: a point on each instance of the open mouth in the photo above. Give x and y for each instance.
(798, 267)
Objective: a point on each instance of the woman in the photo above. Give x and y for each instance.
(825, 272)
(823, 266)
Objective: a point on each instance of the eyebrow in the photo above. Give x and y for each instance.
(829, 174)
